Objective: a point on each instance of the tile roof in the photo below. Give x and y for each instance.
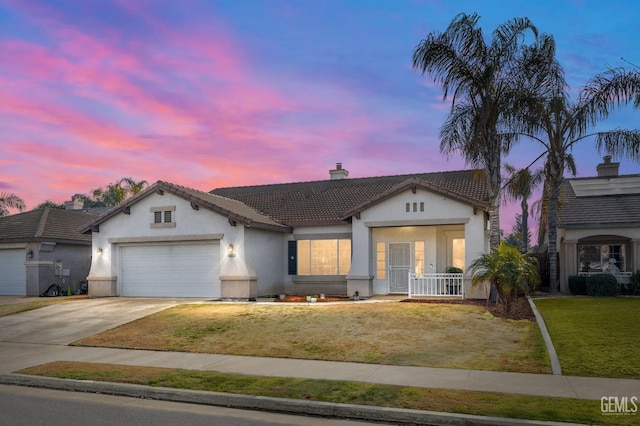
(45, 224)
(329, 201)
(233, 209)
(615, 210)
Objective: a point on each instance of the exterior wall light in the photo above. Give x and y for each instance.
(30, 254)
(100, 251)
(230, 251)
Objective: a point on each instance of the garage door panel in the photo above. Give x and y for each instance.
(177, 270)
(13, 275)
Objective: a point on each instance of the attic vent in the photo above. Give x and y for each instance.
(338, 172)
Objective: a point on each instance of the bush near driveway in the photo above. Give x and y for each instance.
(595, 337)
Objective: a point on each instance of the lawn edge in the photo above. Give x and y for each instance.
(551, 350)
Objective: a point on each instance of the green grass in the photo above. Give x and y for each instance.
(465, 402)
(595, 336)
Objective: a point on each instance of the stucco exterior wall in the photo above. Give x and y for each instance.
(135, 228)
(40, 273)
(266, 254)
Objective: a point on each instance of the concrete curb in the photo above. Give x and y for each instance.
(553, 356)
(261, 403)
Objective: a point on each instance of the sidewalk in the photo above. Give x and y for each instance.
(14, 356)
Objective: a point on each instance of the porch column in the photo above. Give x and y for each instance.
(360, 278)
(568, 263)
(474, 247)
(635, 255)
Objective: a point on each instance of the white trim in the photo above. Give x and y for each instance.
(166, 239)
(417, 222)
(10, 246)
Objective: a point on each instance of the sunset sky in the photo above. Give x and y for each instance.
(236, 92)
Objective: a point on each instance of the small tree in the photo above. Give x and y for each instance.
(10, 201)
(510, 271)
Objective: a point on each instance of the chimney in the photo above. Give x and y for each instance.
(73, 205)
(607, 169)
(339, 172)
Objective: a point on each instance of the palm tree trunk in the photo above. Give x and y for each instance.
(495, 183)
(555, 168)
(525, 224)
(553, 235)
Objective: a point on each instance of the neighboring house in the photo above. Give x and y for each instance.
(42, 247)
(335, 236)
(599, 220)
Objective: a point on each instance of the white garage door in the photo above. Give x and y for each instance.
(13, 273)
(171, 270)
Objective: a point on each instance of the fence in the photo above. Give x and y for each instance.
(436, 285)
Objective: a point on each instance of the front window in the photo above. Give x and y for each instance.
(418, 255)
(324, 257)
(595, 257)
(381, 261)
(457, 253)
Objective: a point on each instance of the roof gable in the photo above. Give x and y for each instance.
(413, 184)
(235, 210)
(330, 202)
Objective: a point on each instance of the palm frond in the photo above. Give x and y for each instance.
(620, 143)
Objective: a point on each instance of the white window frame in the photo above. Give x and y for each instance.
(166, 214)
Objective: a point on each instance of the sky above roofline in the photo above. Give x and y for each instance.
(227, 93)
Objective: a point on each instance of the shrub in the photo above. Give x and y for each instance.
(508, 270)
(577, 284)
(634, 284)
(454, 270)
(602, 285)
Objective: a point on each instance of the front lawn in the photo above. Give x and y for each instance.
(594, 336)
(442, 335)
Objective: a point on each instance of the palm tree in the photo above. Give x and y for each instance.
(483, 80)
(550, 118)
(133, 187)
(117, 192)
(10, 201)
(520, 184)
(510, 271)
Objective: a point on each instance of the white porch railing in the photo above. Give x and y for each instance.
(436, 285)
(623, 278)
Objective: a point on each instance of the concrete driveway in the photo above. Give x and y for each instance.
(64, 323)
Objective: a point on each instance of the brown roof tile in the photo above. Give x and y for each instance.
(328, 201)
(45, 225)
